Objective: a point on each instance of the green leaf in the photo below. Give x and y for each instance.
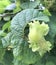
(30, 4)
(42, 17)
(52, 26)
(16, 62)
(1, 46)
(8, 58)
(18, 8)
(6, 26)
(46, 12)
(6, 41)
(50, 63)
(20, 21)
(49, 58)
(39, 63)
(2, 52)
(25, 55)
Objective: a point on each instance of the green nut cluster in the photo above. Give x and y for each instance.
(36, 35)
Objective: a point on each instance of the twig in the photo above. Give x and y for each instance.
(8, 14)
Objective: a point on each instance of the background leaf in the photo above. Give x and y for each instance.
(30, 4)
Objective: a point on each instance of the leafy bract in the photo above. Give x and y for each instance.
(36, 35)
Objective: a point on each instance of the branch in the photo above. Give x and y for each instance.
(8, 14)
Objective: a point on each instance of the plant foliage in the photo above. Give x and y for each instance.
(29, 38)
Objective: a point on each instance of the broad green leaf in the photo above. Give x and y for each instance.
(42, 17)
(6, 41)
(30, 4)
(18, 51)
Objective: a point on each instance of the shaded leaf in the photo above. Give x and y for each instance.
(52, 26)
(24, 54)
(6, 41)
(8, 58)
(16, 62)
